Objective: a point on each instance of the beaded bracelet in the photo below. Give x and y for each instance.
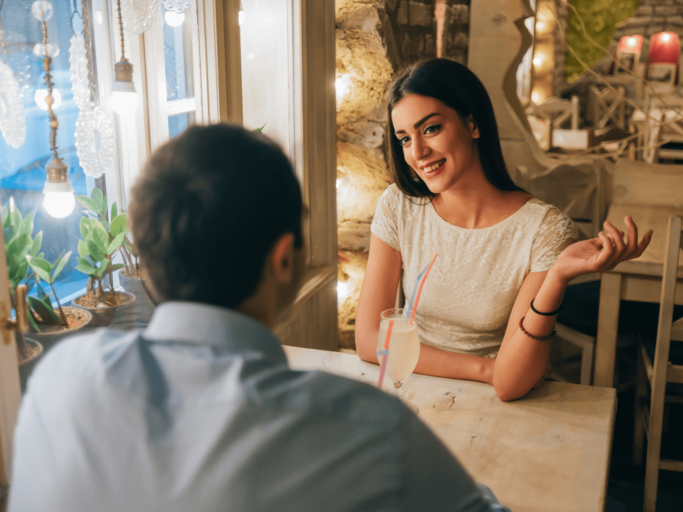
(539, 338)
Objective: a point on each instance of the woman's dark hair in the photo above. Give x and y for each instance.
(207, 210)
(458, 88)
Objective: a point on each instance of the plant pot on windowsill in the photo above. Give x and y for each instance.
(144, 307)
(49, 336)
(28, 352)
(104, 308)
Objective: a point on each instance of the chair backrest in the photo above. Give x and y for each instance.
(608, 107)
(578, 190)
(666, 307)
(650, 193)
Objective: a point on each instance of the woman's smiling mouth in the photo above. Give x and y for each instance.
(434, 169)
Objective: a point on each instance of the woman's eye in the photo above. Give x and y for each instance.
(432, 128)
(403, 141)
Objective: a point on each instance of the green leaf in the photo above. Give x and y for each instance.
(116, 267)
(37, 243)
(94, 251)
(114, 211)
(25, 226)
(19, 273)
(44, 310)
(41, 267)
(32, 321)
(82, 249)
(85, 227)
(15, 218)
(101, 239)
(87, 203)
(86, 269)
(119, 224)
(17, 249)
(97, 196)
(116, 243)
(260, 130)
(60, 264)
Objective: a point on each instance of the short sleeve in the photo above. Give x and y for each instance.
(556, 232)
(385, 223)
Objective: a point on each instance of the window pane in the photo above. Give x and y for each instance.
(266, 69)
(178, 124)
(178, 56)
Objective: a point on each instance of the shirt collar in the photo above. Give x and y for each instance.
(194, 322)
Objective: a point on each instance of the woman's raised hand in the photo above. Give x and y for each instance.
(603, 253)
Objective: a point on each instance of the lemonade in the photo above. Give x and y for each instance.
(404, 348)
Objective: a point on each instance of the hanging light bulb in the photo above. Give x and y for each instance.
(174, 19)
(123, 99)
(59, 194)
(666, 37)
(40, 96)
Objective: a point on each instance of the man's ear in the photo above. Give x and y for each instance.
(282, 258)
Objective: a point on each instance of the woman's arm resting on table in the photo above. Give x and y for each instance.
(522, 360)
(378, 293)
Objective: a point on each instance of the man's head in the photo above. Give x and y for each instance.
(216, 218)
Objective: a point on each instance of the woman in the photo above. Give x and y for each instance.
(498, 247)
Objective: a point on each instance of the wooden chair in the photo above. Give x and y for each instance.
(649, 421)
(608, 107)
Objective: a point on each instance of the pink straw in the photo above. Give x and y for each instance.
(419, 291)
(385, 353)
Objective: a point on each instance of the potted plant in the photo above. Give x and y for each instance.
(23, 253)
(101, 241)
(18, 243)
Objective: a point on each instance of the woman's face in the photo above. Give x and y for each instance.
(436, 144)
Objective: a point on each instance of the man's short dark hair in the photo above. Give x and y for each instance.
(207, 210)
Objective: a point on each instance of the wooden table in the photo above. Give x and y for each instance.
(631, 280)
(548, 451)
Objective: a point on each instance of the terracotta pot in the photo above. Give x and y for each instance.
(48, 338)
(27, 365)
(105, 315)
(144, 307)
(49, 335)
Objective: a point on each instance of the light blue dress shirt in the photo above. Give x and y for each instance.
(201, 412)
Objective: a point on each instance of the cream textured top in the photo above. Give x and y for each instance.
(467, 298)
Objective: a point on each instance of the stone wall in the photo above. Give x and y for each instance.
(367, 58)
(652, 17)
(375, 38)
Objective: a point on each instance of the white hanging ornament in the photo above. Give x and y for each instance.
(137, 19)
(95, 143)
(12, 121)
(79, 72)
(176, 5)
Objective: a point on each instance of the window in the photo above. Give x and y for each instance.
(277, 71)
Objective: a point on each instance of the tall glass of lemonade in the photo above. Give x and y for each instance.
(404, 346)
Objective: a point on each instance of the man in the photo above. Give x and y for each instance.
(200, 411)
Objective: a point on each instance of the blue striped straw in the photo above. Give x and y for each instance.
(417, 285)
